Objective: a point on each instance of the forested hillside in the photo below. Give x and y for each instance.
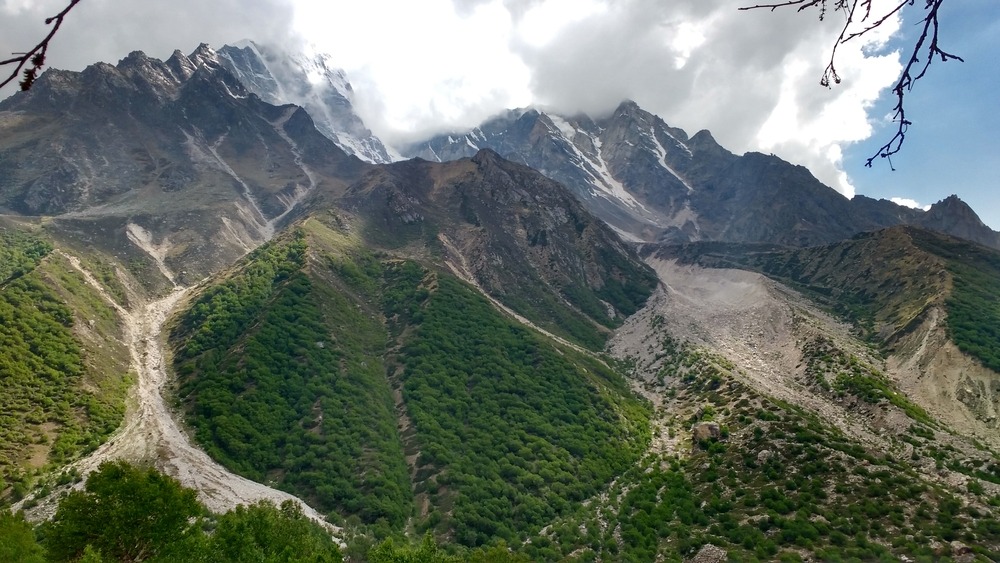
(509, 430)
(974, 302)
(283, 379)
(386, 391)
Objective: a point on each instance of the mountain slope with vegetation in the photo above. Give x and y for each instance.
(928, 301)
(510, 230)
(886, 281)
(282, 377)
(298, 367)
(777, 482)
(64, 378)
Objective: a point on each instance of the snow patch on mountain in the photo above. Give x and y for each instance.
(568, 130)
(595, 166)
(678, 142)
(661, 154)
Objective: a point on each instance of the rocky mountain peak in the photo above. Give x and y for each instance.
(953, 204)
(135, 58)
(627, 107)
(486, 157)
(312, 82)
(204, 55)
(653, 182)
(704, 139)
(181, 65)
(153, 76)
(953, 216)
(179, 149)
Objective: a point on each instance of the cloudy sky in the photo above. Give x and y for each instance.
(752, 78)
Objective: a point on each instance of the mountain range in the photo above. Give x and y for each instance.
(654, 183)
(546, 338)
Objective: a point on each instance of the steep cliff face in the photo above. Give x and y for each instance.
(308, 80)
(177, 150)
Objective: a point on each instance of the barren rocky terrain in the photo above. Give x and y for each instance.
(753, 322)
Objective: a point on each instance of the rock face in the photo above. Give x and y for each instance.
(652, 182)
(180, 149)
(953, 216)
(312, 82)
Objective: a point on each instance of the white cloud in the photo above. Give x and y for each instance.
(419, 66)
(907, 202)
(544, 21)
(687, 37)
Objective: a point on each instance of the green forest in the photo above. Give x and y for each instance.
(130, 513)
(287, 372)
(512, 431)
(283, 381)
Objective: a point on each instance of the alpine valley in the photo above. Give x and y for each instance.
(237, 326)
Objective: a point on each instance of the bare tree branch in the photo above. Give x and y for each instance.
(923, 53)
(35, 56)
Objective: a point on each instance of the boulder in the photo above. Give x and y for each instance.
(704, 431)
(959, 548)
(709, 554)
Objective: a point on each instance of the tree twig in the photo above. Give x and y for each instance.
(907, 79)
(913, 70)
(35, 56)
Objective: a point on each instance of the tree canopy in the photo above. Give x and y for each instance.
(130, 514)
(124, 512)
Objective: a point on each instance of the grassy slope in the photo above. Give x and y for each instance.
(63, 380)
(974, 303)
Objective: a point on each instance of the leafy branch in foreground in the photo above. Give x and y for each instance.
(36, 56)
(859, 21)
